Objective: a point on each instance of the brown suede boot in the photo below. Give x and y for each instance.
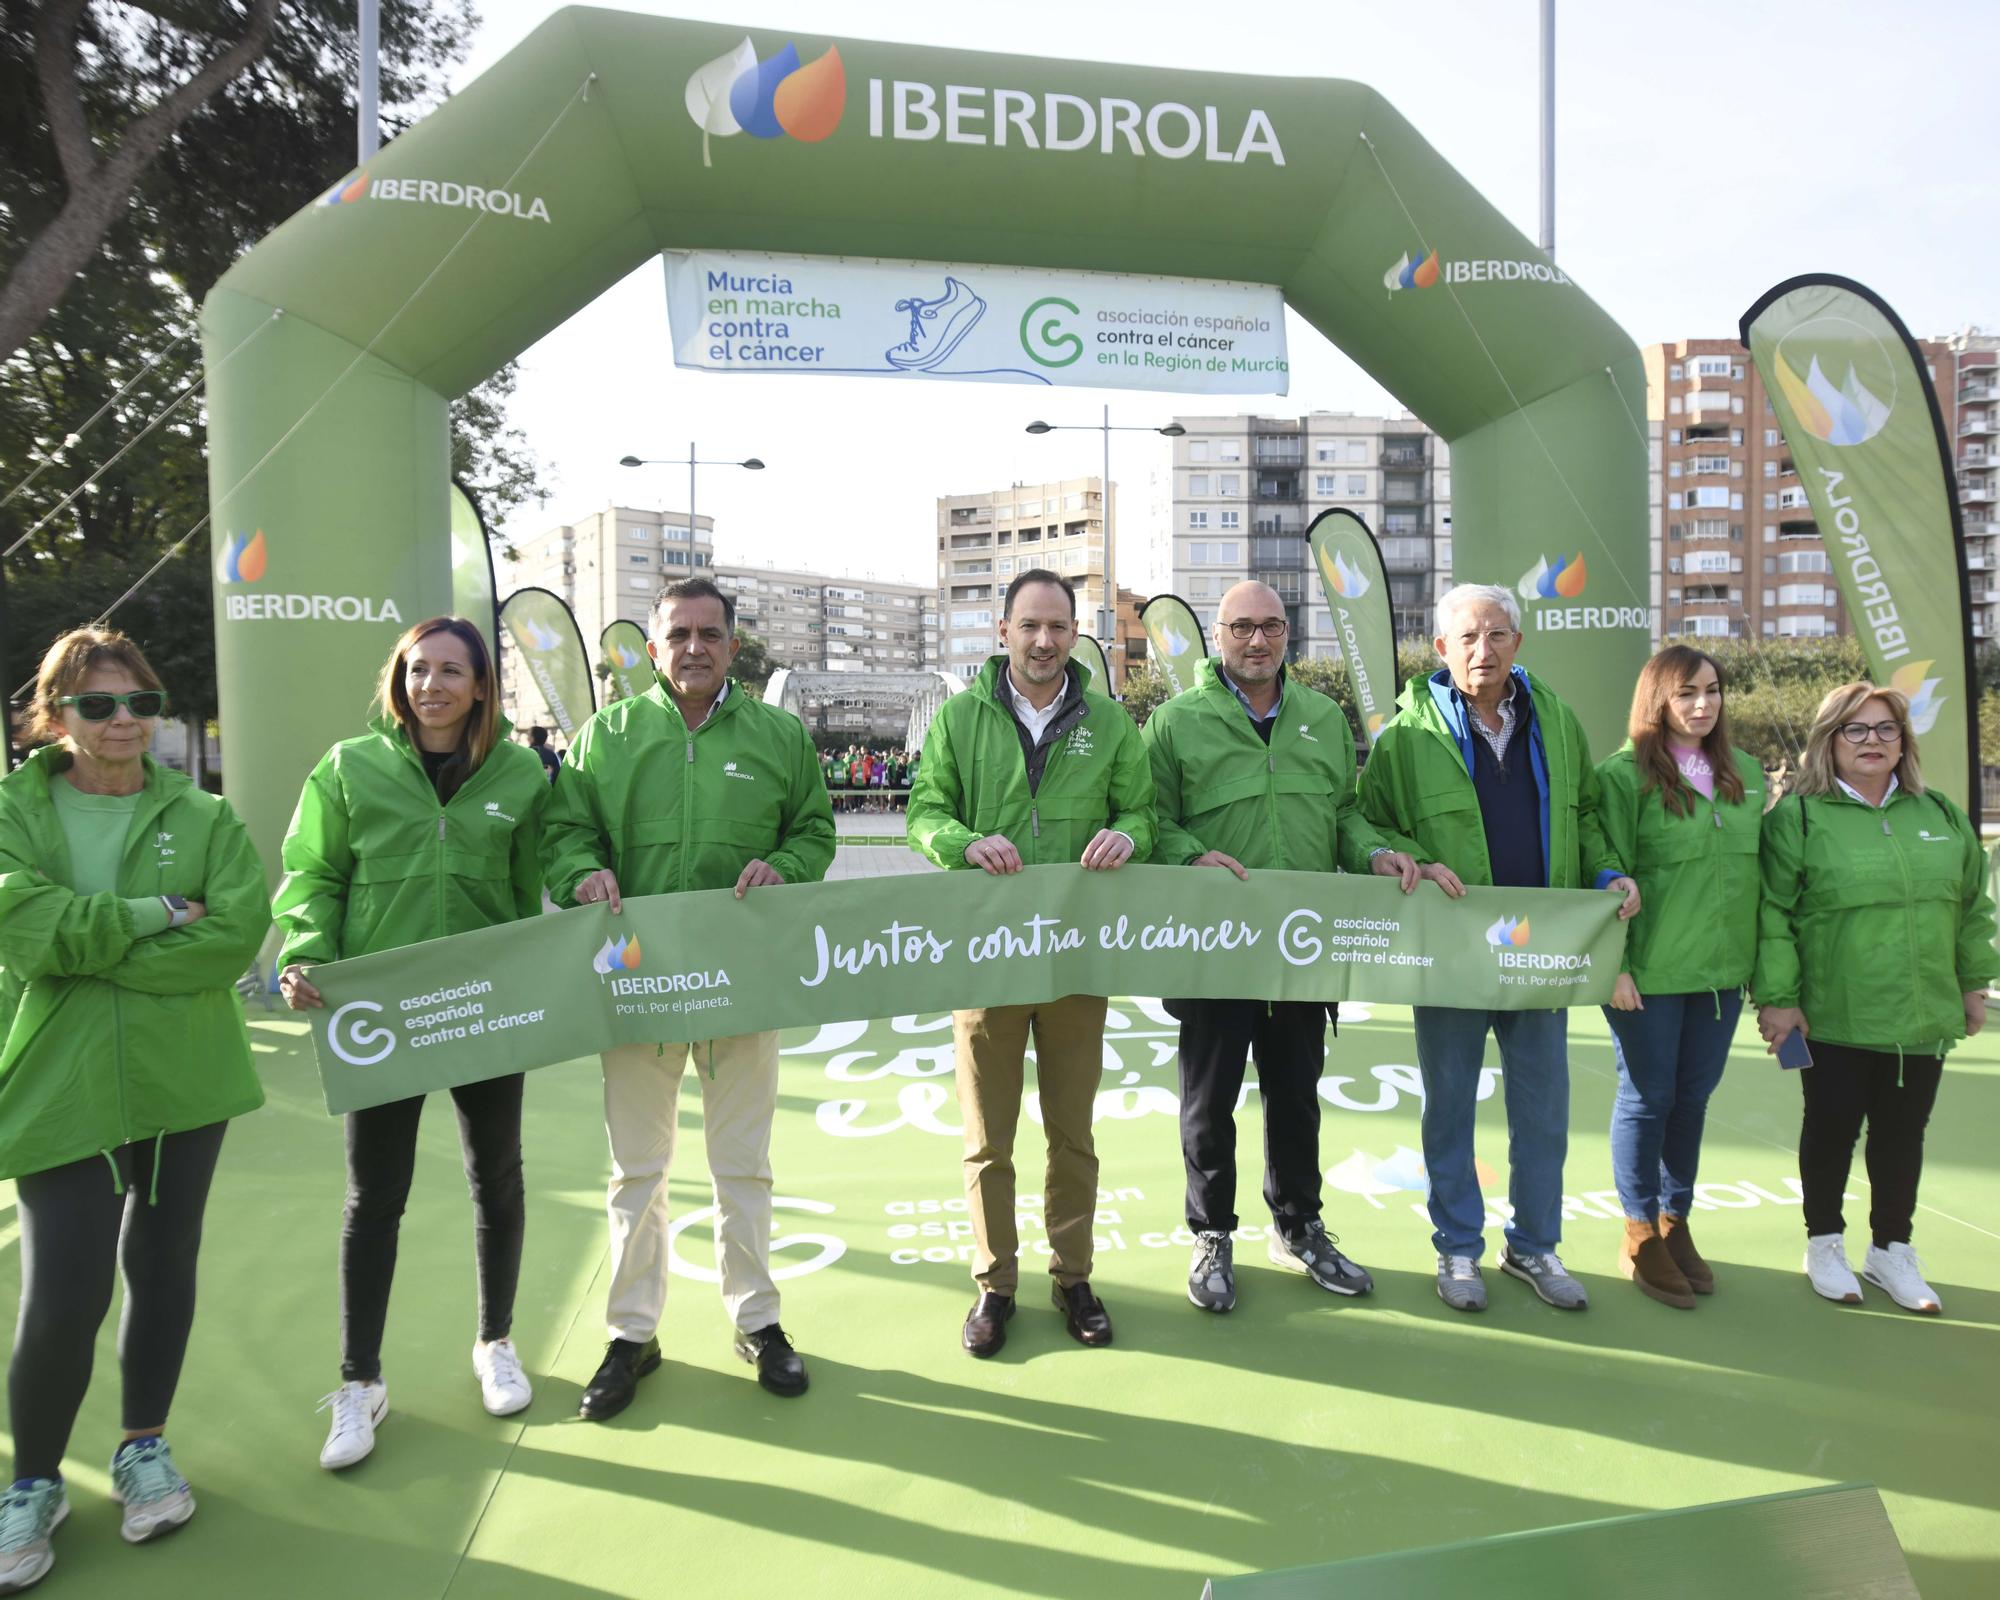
(1680, 1245)
(1643, 1258)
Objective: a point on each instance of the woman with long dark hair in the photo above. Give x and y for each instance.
(423, 827)
(1681, 807)
(1876, 947)
(130, 902)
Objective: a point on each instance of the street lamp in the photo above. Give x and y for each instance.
(1107, 614)
(673, 461)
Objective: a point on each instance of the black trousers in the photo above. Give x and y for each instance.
(1845, 1087)
(381, 1159)
(1288, 1038)
(77, 1231)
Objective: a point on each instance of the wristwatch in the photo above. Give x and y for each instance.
(177, 910)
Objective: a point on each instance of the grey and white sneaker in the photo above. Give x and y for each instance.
(30, 1512)
(1896, 1268)
(1547, 1276)
(145, 1481)
(1212, 1272)
(1460, 1284)
(1316, 1253)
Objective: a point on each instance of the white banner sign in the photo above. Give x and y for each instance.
(737, 311)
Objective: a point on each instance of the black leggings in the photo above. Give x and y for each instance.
(1845, 1087)
(381, 1159)
(77, 1228)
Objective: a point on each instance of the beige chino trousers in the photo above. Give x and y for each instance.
(739, 1095)
(991, 1048)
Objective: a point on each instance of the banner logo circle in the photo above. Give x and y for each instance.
(1050, 334)
(359, 1035)
(1838, 378)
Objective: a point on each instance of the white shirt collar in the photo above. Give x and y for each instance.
(1032, 718)
(1853, 793)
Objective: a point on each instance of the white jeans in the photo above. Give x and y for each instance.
(739, 1095)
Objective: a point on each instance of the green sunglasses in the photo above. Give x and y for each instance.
(103, 707)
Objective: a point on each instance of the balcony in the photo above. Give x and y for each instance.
(1277, 453)
(1976, 494)
(1977, 423)
(1798, 528)
(1403, 456)
(1982, 530)
(1978, 391)
(1703, 401)
(1278, 489)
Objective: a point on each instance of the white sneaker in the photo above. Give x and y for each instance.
(358, 1410)
(1898, 1270)
(503, 1386)
(1827, 1268)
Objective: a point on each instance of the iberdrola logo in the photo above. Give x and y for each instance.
(1564, 579)
(1346, 581)
(1843, 416)
(1921, 692)
(242, 558)
(617, 955)
(1174, 642)
(1508, 932)
(347, 190)
(737, 93)
(540, 634)
(1407, 274)
(622, 656)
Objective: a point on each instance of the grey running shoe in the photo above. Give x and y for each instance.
(1212, 1272)
(1547, 1276)
(1460, 1284)
(29, 1513)
(155, 1496)
(1315, 1252)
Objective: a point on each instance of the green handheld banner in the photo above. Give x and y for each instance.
(605, 138)
(540, 626)
(706, 965)
(1849, 386)
(1089, 655)
(622, 647)
(473, 593)
(1174, 632)
(1357, 596)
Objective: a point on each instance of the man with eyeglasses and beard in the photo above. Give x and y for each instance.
(1254, 772)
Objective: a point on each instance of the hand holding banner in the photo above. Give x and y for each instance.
(701, 966)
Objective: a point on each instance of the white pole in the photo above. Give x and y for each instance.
(1549, 128)
(368, 115)
(1107, 615)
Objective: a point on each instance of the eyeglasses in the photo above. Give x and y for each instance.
(1270, 628)
(1885, 732)
(103, 707)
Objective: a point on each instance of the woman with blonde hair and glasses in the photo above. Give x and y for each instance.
(423, 827)
(130, 902)
(1876, 946)
(1680, 807)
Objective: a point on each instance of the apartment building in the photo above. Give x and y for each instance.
(832, 624)
(1737, 551)
(1246, 489)
(606, 566)
(984, 539)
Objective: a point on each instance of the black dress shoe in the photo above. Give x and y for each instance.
(780, 1368)
(610, 1392)
(986, 1324)
(1083, 1314)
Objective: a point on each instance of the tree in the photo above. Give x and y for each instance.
(253, 151)
(753, 666)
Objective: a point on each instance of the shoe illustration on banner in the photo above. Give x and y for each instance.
(937, 327)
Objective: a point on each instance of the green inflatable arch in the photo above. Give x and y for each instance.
(335, 346)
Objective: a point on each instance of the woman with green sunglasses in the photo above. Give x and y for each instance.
(130, 902)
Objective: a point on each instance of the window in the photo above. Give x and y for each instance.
(1708, 561)
(1072, 561)
(1674, 501)
(1197, 519)
(1711, 464)
(1802, 594)
(1674, 373)
(639, 560)
(641, 584)
(1673, 469)
(1708, 627)
(1198, 483)
(1770, 597)
(1804, 561)
(1770, 469)
(638, 534)
(1808, 627)
(1713, 367)
(1326, 451)
(1229, 450)
(1232, 519)
(972, 619)
(1230, 483)
(1357, 484)
(1705, 499)
(673, 558)
(1031, 508)
(1323, 483)
(1673, 436)
(1007, 567)
(1771, 438)
(1357, 449)
(1197, 450)
(969, 647)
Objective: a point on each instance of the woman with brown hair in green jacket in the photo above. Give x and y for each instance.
(130, 902)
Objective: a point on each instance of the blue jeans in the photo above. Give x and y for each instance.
(1534, 1061)
(1670, 1058)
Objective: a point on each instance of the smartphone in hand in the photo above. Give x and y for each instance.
(1792, 1051)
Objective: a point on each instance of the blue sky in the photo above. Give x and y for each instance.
(1705, 151)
